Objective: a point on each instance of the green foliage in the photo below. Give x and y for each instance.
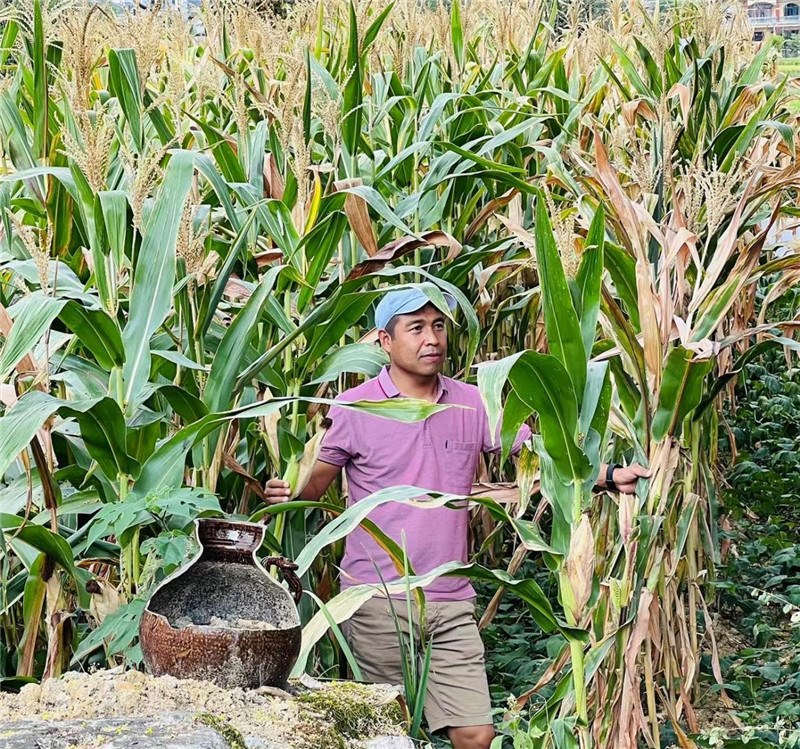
(193, 240)
(766, 429)
(759, 600)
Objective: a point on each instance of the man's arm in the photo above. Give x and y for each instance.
(625, 477)
(322, 474)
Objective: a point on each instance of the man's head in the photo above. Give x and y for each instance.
(412, 330)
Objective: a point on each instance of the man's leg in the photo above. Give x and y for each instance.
(458, 691)
(372, 636)
(471, 737)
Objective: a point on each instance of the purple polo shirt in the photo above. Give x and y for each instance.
(439, 454)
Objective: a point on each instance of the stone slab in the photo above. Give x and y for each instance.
(167, 731)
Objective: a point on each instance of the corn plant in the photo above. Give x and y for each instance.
(194, 228)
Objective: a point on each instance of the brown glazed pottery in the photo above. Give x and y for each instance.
(260, 638)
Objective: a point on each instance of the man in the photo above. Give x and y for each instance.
(439, 454)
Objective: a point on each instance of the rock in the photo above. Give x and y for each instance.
(126, 709)
(169, 731)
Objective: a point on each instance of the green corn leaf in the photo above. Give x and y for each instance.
(457, 33)
(176, 357)
(752, 353)
(41, 93)
(100, 419)
(189, 407)
(125, 84)
(653, 71)
(219, 390)
(234, 252)
(114, 206)
(594, 409)
(32, 315)
(371, 34)
(622, 268)
(422, 690)
(337, 633)
(630, 70)
(40, 538)
(754, 72)
(764, 112)
(319, 245)
(33, 600)
(349, 520)
(206, 167)
(491, 166)
(104, 433)
(97, 331)
(330, 322)
(164, 468)
(151, 296)
(561, 322)
(353, 91)
(224, 153)
(589, 279)
(364, 358)
(681, 391)
(14, 134)
(9, 37)
(541, 383)
(344, 605)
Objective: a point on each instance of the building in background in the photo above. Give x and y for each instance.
(781, 17)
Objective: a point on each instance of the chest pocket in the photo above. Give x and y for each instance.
(460, 465)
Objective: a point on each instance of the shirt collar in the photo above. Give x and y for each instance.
(391, 391)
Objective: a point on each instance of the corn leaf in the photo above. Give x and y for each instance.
(124, 84)
(40, 538)
(32, 317)
(219, 390)
(97, 331)
(589, 279)
(681, 391)
(164, 468)
(541, 383)
(561, 322)
(151, 296)
(363, 358)
(353, 91)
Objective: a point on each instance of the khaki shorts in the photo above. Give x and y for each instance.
(458, 692)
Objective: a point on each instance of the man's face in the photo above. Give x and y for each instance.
(418, 341)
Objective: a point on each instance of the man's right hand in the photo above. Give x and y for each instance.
(277, 491)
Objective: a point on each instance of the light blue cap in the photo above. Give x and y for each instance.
(406, 301)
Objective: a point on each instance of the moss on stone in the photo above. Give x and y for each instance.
(353, 711)
(234, 739)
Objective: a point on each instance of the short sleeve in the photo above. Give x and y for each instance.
(337, 443)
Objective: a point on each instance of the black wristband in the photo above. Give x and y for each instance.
(610, 485)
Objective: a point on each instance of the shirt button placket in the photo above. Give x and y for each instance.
(426, 434)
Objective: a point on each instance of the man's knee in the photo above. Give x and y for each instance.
(471, 737)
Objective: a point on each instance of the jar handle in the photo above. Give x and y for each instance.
(287, 567)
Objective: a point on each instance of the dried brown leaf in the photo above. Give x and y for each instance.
(632, 223)
(252, 483)
(273, 181)
(487, 211)
(355, 207)
(403, 246)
